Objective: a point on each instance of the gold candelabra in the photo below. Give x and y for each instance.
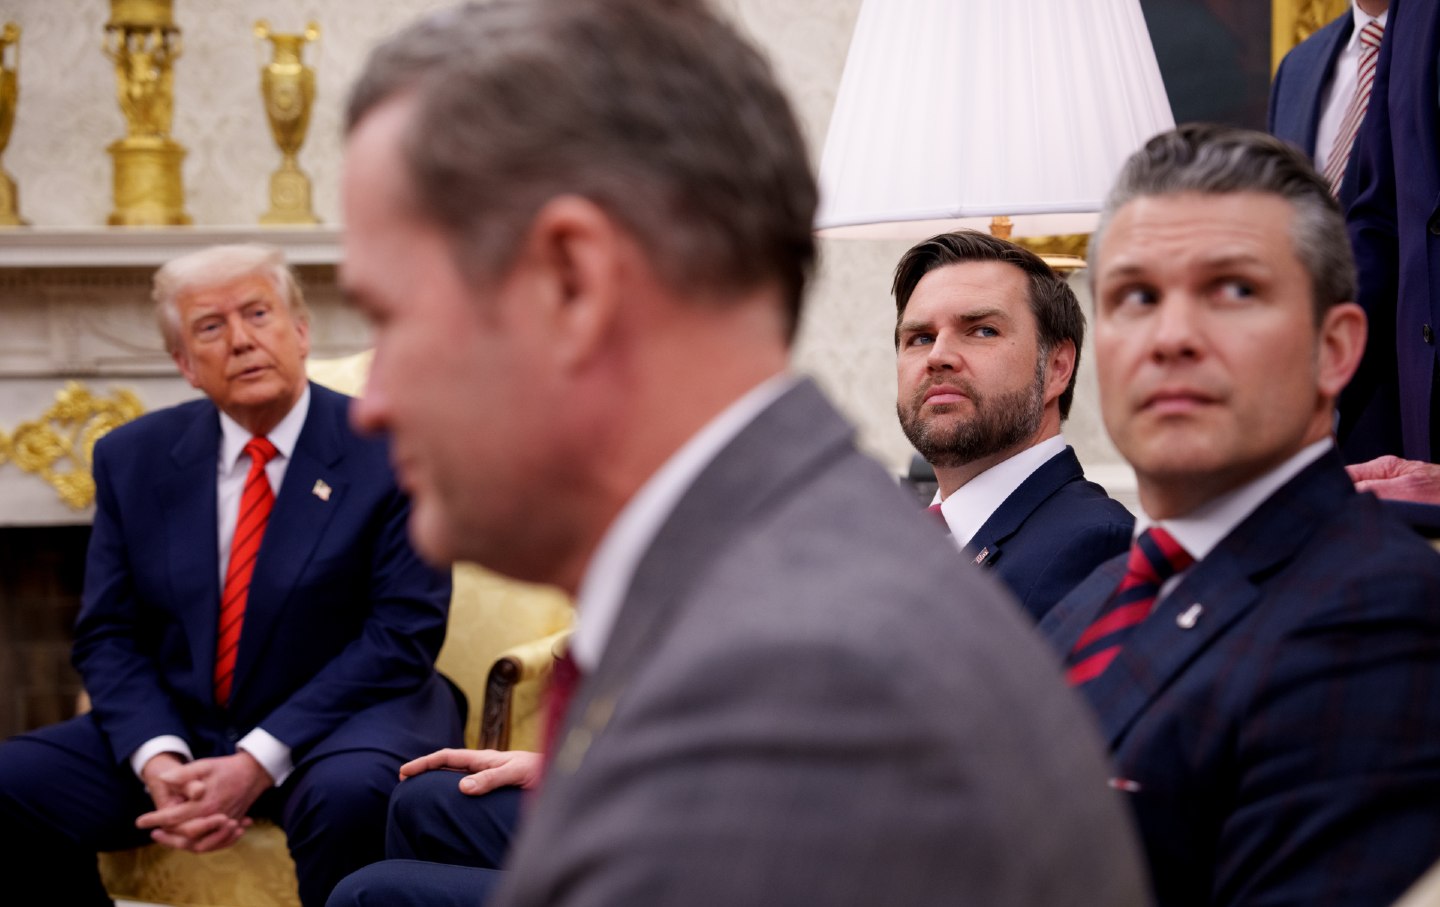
(141, 39)
(9, 97)
(287, 86)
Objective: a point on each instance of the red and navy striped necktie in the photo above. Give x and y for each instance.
(1154, 557)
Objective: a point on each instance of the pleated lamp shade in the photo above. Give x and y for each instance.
(951, 112)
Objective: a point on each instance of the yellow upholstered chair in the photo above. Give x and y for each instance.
(498, 649)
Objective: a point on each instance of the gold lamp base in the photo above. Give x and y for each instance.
(10, 203)
(148, 191)
(289, 197)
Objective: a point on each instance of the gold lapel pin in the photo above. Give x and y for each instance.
(321, 490)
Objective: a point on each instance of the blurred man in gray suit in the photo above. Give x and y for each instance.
(582, 230)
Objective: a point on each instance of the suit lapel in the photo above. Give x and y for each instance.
(1317, 77)
(186, 495)
(766, 462)
(1053, 474)
(1213, 596)
(296, 525)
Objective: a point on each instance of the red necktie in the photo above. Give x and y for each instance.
(564, 678)
(1339, 158)
(1154, 558)
(255, 503)
(936, 512)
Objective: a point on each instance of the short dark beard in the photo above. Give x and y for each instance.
(1000, 423)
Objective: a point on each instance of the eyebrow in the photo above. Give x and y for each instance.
(983, 314)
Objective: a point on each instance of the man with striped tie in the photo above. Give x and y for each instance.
(1265, 662)
(1322, 89)
(256, 633)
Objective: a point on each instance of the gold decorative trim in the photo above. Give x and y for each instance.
(1292, 21)
(59, 446)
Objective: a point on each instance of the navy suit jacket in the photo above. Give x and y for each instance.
(1395, 231)
(1298, 87)
(342, 623)
(1051, 532)
(1275, 723)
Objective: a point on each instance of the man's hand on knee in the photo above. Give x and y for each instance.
(485, 769)
(217, 794)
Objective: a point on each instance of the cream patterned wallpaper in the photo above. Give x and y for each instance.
(68, 114)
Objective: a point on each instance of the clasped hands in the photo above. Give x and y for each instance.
(484, 770)
(201, 806)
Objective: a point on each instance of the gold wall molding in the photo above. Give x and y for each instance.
(59, 445)
(1292, 21)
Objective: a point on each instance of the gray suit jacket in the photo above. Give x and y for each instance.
(809, 699)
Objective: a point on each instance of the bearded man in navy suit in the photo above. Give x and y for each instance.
(1265, 663)
(305, 713)
(987, 347)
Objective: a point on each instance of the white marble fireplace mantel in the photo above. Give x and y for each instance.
(75, 307)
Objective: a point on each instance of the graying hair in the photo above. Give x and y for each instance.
(655, 110)
(215, 267)
(1217, 160)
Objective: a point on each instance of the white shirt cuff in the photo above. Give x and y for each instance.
(165, 743)
(272, 755)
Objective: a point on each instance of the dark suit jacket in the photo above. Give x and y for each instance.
(1395, 231)
(1298, 87)
(795, 709)
(342, 624)
(1051, 532)
(1281, 745)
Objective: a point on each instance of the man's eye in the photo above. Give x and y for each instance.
(920, 339)
(1135, 296)
(986, 330)
(207, 329)
(1236, 289)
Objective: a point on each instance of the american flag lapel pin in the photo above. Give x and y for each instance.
(984, 553)
(321, 490)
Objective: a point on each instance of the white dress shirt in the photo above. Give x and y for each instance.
(232, 467)
(1201, 530)
(970, 505)
(608, 575)
(1335, 98)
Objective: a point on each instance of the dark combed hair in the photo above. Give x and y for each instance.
(1210, 159)
(655, 110)
(1057, 312)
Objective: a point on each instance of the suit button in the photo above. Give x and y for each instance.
(1435, 226)
(1428, 334)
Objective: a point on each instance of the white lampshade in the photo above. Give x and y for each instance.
(954, 111)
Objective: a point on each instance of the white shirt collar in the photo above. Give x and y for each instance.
(607, 577)
(284, 435)
(967, 509)
(1200, 531)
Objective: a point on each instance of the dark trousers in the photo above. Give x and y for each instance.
(444, 848)
(63, 798)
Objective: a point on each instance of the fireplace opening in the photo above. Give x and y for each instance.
(41, 572)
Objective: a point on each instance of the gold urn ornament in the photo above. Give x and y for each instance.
(141, 39)
(287, 86)
(9, 97)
